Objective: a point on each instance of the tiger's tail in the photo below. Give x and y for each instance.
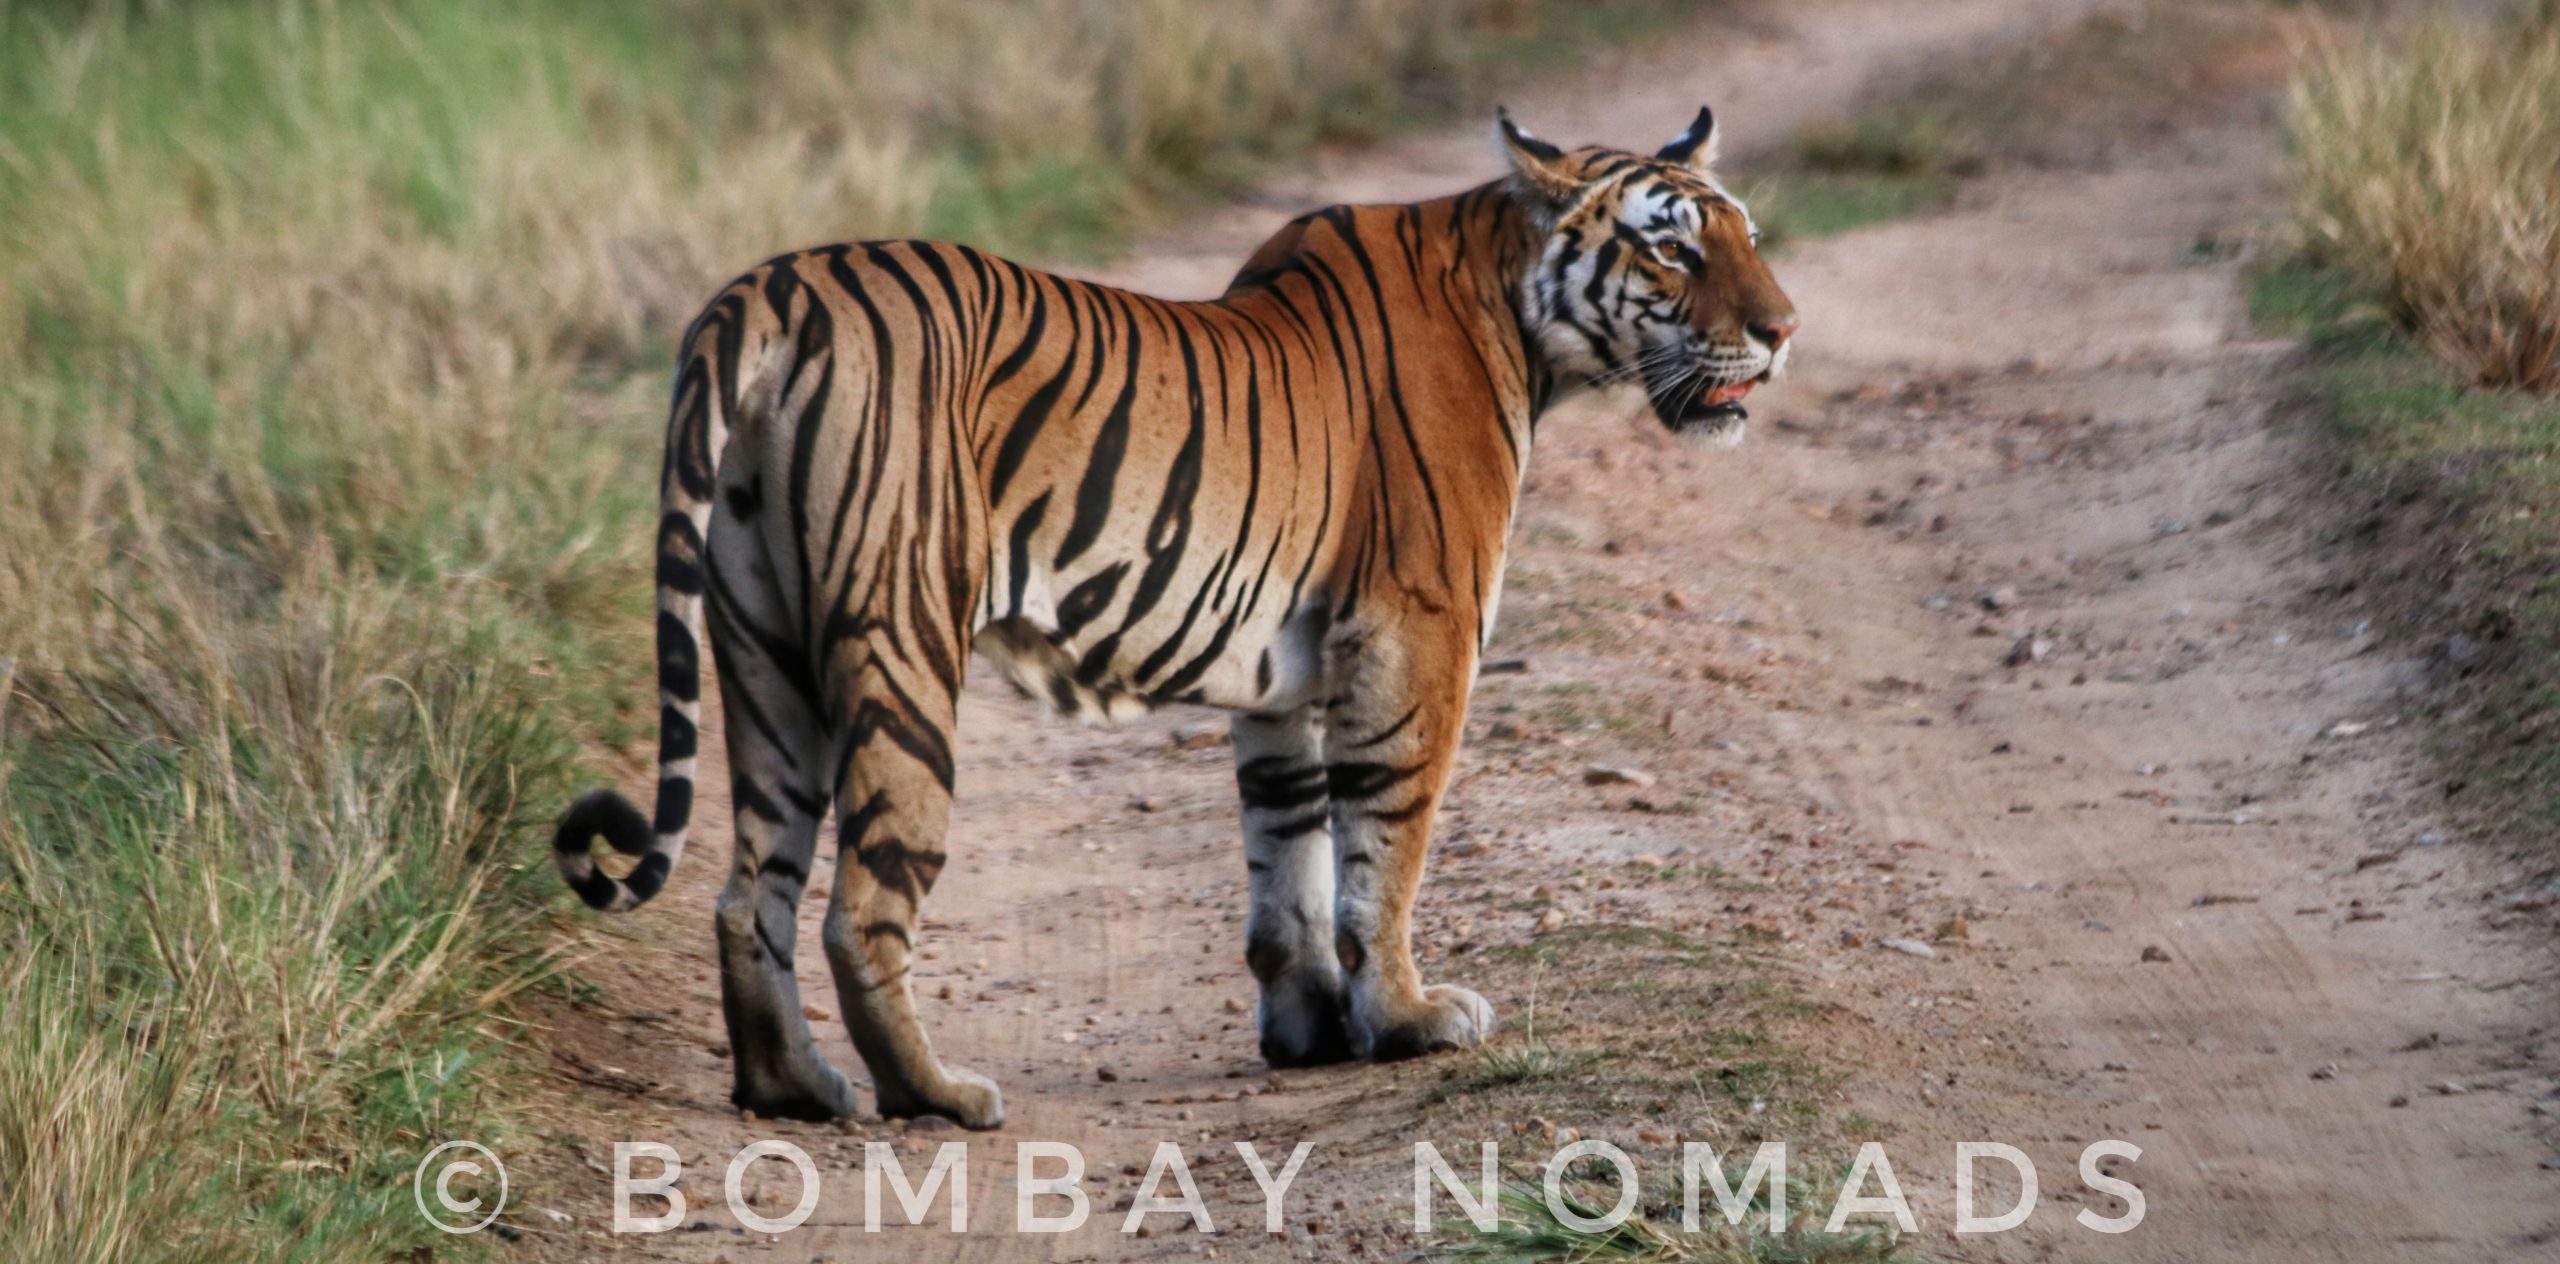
(697, 430)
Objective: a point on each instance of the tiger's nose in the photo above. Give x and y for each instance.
(1775, 332)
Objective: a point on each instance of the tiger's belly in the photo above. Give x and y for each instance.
(1250, 660)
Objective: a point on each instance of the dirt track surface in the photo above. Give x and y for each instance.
(2011, 628)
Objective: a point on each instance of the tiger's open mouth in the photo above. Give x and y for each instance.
(1717, 407)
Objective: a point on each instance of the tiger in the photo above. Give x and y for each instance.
(1290, 502)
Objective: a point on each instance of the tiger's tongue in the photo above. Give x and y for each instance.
(1731, 393)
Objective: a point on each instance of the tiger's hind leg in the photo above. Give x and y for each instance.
(893, 808)
(777, 775)
(1288, 857)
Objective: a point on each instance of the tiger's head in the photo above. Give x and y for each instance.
(1650, 271)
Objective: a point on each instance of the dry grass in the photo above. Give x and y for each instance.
(332, 345)
(1530, 1232)
(2427, 176)
(2428, 167)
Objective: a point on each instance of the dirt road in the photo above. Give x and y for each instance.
(2012, 631)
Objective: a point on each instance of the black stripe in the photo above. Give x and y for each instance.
(679, 661)
(1018, 554)
(675, 804)
(1272, 783)
(647, 876)
(1102, 471)
(679, 553)
(1088, 600)
(1357, 780)
(676, 736)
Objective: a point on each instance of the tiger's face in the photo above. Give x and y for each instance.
(1650, 272)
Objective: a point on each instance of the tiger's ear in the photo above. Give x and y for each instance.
(1695, 147)
(1539, 167)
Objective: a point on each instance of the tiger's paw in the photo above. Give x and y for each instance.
(827, 1097)
(1302, 1023)
(1442, 1018)
(965, 1097)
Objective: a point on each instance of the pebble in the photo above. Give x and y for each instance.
(1612, 775)
(1908, 947)
(2154, 953)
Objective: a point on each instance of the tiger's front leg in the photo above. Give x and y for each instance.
(1392, 727)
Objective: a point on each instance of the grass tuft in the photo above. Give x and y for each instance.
(1530, 1232)
(2427, 166)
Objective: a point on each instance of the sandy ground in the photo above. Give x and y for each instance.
(2013, 630)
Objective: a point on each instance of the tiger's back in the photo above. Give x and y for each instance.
(1148, 499)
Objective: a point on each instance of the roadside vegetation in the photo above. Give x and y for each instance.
(2425, 274)
(331, 352)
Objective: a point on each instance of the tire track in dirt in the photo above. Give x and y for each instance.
(1092, 915)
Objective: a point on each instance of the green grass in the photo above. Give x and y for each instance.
(1654, 1025)
(252, 946)
(332, 357)
(2461, 489)
(1898, 161)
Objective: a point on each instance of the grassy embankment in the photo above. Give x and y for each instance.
(331, 351)
(2426, 276)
